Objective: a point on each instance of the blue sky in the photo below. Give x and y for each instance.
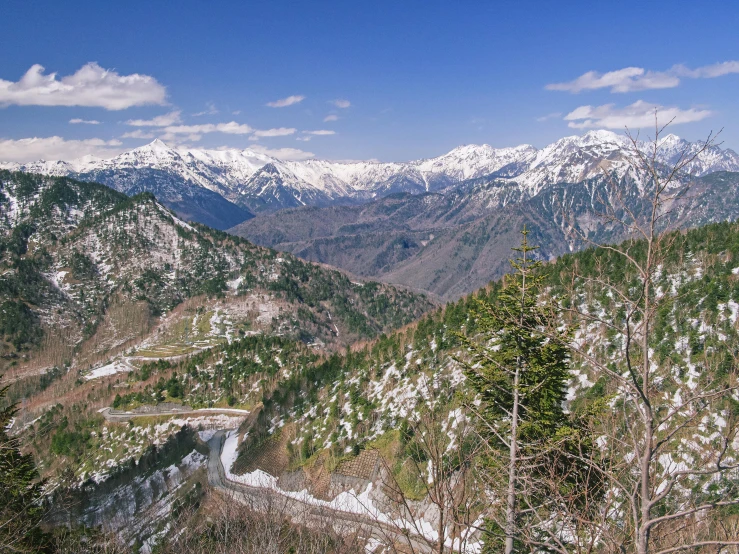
(413, 79)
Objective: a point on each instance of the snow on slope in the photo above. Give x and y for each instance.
(240, 175)
(471, 161)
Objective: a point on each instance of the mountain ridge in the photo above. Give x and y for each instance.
(258, 183)
(451, 244)
(89, 272)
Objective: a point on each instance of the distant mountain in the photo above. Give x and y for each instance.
(261, 184)
(453, 243)
(154, 168)
(189, 201)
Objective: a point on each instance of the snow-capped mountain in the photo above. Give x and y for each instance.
(260, 183)
(578, 158)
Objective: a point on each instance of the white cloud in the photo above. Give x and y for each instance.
(631, 79)
(283, 102)
(55, 148)
(283, 153)
(622, 80)
(77, 121)
(549, 116)
(91, 85)
(210, 109)
(638, 115)
(280, 132)
(307, 135)
(231, 128)
(138, 134)
(159, 121)
(708, 71)
(331, 117)
(341, 103)
(180, 139)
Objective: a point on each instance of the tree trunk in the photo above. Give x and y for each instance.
(642, 536)
(510, 520)
(441, 530)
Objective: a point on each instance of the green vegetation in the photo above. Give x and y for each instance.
(72, 248)
(20, 493)
(515, 361)
(232, 374)
(70, 442)
(519, 372)
(18, 324)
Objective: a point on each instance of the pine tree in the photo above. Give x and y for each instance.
(20, 492)
(519, 370)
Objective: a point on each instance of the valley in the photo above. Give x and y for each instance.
(369, 278)
(159, 370)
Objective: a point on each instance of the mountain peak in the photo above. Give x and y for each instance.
(467, 150)
(155, 150)
(597, 136)
(471, 148)
(155, 145)
(669, 140)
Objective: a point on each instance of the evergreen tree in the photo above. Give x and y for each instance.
(519, 370)
(20, 492)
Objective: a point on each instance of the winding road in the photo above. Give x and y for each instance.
(268, 500)
(118, 416)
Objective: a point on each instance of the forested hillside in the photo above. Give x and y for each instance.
(88, 272)
(407, 400)
(382, 396)
(454, 243)
(410, 421)
(111, 300)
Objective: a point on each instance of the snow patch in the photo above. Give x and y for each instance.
(118, 366)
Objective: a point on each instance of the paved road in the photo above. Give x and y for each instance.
(118, 416)
(264, 499)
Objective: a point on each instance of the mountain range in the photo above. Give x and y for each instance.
(452, 244)
(222, 188)
(441, 225)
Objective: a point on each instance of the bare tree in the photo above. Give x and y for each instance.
(666, 446)
(234, 523)
(439, 463)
